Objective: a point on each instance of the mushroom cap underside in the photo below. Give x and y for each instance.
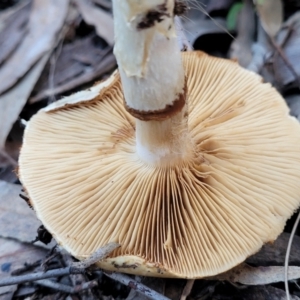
(220, 204)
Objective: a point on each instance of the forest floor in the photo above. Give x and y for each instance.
(53, 48)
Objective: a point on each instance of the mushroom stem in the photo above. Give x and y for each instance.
(152, 76)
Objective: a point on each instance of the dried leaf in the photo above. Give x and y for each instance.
(253, 293)
(289, 40)
(14, 29)
(271, 15)
(76, 58)
(218, 5)
(12, 102)
(107, 64)
(248, 275)
(13, 255)
(17, 220)
(7, 13)
(95, 16)
(45, 22)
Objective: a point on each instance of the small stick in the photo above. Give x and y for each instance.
(285, 60)
(79, 279)
(26, 268)
(75, 268)
(27, 200)
(79, 267)
(53, 254)
(56, 286)
(187, 289)
(34, 276)
(65, 288)
(85, 286)
(139, 287)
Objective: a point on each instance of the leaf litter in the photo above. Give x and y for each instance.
(72, 47)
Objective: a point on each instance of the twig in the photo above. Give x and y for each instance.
(65, 288)
(35, 276)
(78, 267)
(286, 262)
(26, 268)
(187, 289)
(53, 60)
(75, 268)
(85, 286)
(78, 279)
(56, 286)
(286, 61)
(26, 199)
(124, 279)
(139, 287)
(53, 254)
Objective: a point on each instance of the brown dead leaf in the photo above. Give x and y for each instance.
(271, 15)
(12, 102)
(248, 275)
(95, 16)
(13, 255)
(46, 20)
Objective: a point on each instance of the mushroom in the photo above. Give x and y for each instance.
(188, 191)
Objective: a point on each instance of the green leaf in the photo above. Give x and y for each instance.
(232, 16)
